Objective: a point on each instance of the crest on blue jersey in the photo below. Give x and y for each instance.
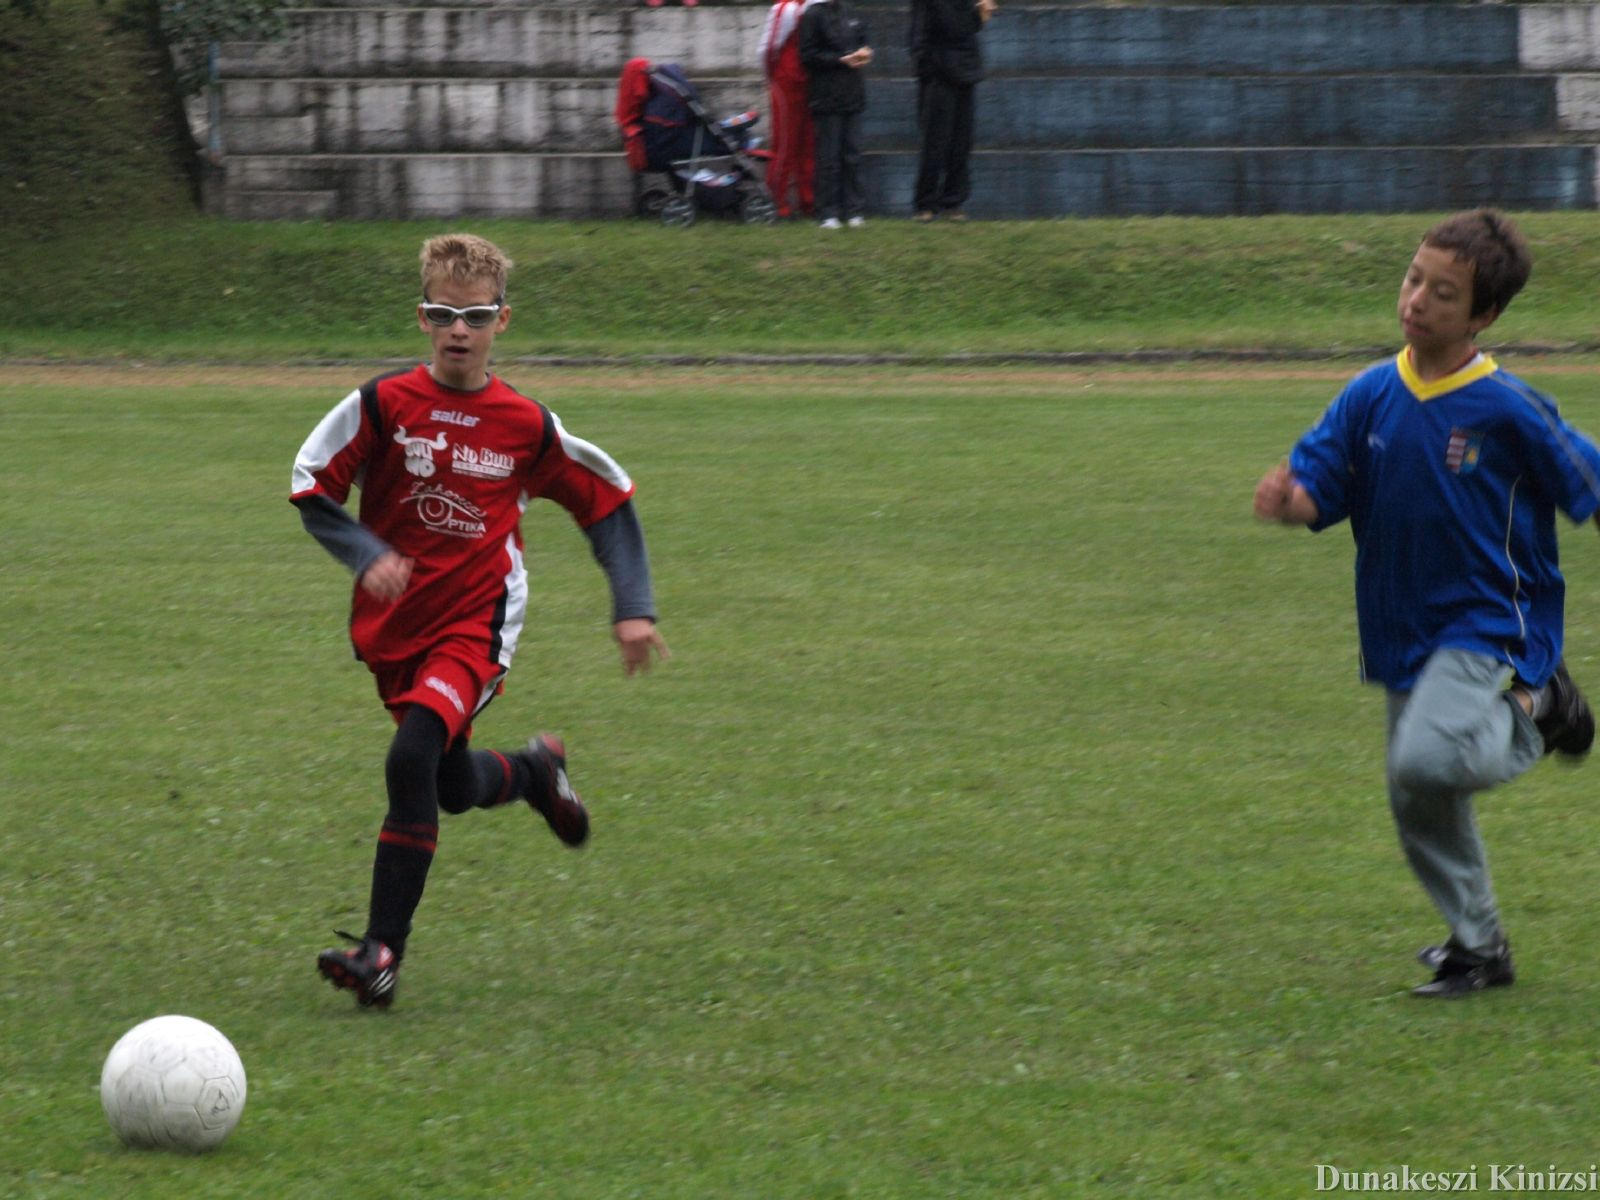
(1464, 450)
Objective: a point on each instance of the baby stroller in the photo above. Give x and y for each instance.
(709, 166)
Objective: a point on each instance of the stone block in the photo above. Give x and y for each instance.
(1559, 37)
(415, 186)
(348, 116)
(1578, 103)
(493, 41)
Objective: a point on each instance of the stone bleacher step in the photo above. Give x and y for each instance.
(1033, 184)
(542, 115)
(538, 39)
(281, 204)
(469, 108)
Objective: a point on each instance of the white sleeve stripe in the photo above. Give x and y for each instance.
(1542, 405)
(587, 454)
(332, 434)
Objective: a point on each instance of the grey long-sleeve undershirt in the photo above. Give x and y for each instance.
(617, 542)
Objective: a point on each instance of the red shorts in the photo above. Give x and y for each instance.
(454, 679)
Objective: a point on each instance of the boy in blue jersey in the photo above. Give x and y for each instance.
(1451, 472)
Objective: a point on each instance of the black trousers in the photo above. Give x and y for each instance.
(838, 137)
(945, 116)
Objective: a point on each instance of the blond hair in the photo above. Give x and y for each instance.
(464, 258)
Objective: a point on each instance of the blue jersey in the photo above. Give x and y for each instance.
(1451, 488)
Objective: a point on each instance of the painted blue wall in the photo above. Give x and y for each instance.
(1124, 111)
(1242, 110)
(1253, 182)
(1227, 39)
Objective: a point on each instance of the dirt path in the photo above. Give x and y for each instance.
(650, 376)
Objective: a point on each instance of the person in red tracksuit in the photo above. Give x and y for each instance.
(793, 162)
(447, 456)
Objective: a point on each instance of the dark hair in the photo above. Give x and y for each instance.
(1493, 245)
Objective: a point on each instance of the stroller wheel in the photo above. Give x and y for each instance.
(758, 208)
(651, 201)
(677, 212)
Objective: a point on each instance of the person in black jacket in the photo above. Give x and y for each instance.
(949, 65)
(834, 52)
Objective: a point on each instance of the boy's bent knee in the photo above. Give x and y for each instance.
(1426, 761)
(407, 760)
(412, 764)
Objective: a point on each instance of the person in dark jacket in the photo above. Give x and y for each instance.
(834, 52)
(949, 65)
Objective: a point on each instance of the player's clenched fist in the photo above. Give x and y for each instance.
(1280, 498)
(387, 577)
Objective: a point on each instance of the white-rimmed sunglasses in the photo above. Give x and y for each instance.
(475, 315)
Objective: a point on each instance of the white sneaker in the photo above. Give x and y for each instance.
(830, 223)
(856, 222)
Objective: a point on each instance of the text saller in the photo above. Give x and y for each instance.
(1495, 1177)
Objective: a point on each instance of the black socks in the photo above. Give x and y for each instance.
(424, 776)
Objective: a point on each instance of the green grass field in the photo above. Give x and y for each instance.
(1008, 822)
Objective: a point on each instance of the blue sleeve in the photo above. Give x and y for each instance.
(618, 544)
(1565, 462)
(340, 534)
(1323, 460)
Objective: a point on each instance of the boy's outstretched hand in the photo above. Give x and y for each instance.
(637, 636)
(1280, 498)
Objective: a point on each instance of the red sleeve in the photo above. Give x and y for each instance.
(578, 475)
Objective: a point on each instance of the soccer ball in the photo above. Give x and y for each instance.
(174, 1083)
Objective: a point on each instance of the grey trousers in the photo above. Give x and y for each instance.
(1457, 732)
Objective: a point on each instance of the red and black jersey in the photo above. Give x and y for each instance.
(444, 477)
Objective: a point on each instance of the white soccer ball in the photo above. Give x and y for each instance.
(174, 1083)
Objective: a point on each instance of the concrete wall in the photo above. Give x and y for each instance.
(537, 39)
(483, 42)
(349, 116)
(472, 108)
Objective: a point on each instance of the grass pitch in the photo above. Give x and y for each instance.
(1008, 822)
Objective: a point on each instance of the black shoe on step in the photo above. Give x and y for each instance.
(1567, 725)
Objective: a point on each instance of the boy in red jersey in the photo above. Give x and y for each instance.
(447, 456)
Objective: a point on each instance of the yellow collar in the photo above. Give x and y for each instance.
(1476, 368)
